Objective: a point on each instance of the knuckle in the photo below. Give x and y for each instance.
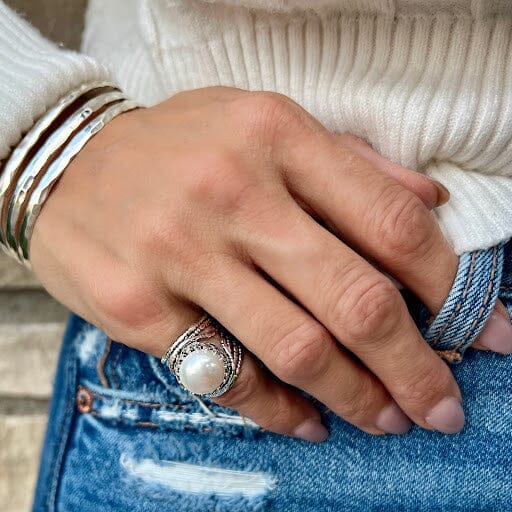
(406, 226)
(301, 354)
(368, 309)
(359, 401)
(128, 308)
(273, 416)
(242, 393)
(260, 114)
(268, 101)
(276, 416)
(429, 381)
(218, 181)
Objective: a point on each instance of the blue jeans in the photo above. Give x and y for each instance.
(123, 436)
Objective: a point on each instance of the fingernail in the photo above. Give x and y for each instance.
(447, 416)
(443, 194)
(497, 335)
(312, 431)
(393, 420)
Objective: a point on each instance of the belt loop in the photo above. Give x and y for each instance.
(469, 304)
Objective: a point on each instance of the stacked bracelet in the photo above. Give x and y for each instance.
(37, 163)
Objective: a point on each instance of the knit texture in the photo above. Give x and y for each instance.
(34, 75)
(478, 8)
(427, 82)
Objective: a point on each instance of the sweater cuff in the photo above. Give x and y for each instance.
(478, 215)
(35, 74)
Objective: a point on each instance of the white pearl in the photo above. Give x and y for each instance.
(202, 371)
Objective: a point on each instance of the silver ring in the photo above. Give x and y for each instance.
(206, 359)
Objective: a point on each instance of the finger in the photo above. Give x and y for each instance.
(497, 334)
(374, 214)
(254, 394)
(297, 349)
(271, 405)
(430, 191)
(364, 311)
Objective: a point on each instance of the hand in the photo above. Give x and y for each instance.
(215, 200)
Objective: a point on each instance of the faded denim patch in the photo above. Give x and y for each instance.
(206, 487)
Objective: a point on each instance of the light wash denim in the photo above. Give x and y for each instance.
(123, 436)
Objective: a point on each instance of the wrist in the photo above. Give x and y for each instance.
(36, 164)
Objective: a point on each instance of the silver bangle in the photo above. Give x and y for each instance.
(20, 153)
(44, 155)
(57, 167)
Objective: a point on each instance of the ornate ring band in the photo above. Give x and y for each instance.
(206, 359)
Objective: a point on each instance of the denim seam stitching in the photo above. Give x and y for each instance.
(114, 368)
(154, 405)
(56, 466)
(486, 298)
(58, 455)
(102, 362)
(146, 424)
(151, 424)
(457, 308)
(96, 414)
(60, 451)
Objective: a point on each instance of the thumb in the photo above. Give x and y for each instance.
(497, 334)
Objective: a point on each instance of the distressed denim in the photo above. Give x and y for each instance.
(123, 436)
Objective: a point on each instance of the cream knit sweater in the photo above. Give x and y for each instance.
(427, 82)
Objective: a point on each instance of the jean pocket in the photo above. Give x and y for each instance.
(122, 385)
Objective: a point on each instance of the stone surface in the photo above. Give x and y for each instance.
(13, 275)
(60, 20)
(16, 406)
(28, 355)
(20, 445)
(34, 306)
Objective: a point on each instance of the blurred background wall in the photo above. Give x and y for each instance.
(31, 323)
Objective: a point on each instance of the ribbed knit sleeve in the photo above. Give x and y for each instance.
(34, 74)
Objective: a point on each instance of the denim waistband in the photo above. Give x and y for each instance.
(468, 306)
